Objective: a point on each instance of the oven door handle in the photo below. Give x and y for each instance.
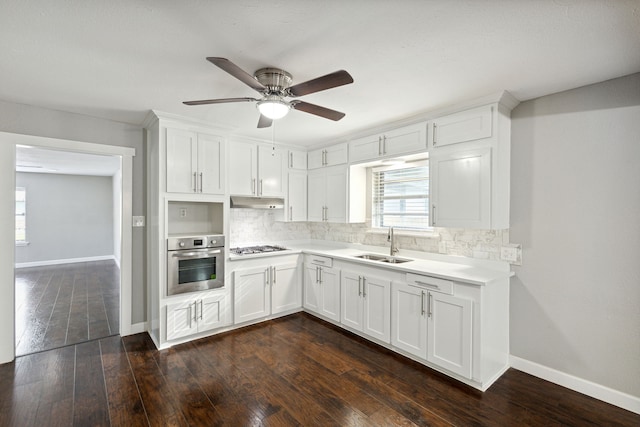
(196, 254)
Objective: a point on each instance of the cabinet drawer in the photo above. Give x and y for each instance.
(432, 283)
(319, 260)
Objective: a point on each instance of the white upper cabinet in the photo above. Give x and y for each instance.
(468, 125)
(329, 156)
(469, 167)
(297, 160)
(327, 194)
(404, 140)
(194, 162)
(257, 170)
(297, 196)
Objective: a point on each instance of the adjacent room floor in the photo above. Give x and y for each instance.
(292, 371)
(66, 304)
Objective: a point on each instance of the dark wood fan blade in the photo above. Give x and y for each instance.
(264, 122)
(218, 101)
(237, 72)
(338, 78)
(317, 110)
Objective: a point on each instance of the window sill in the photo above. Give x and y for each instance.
(22, 243)
(402, 232)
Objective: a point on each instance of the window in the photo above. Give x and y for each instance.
(401, 196)
(21, 225)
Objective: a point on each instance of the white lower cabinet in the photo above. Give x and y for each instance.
(366, 304)
(433, 326)
(197, 315)
(266, 290)
(322, 289)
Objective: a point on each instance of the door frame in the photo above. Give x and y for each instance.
(8, 142)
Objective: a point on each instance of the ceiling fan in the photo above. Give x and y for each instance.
(275, 85)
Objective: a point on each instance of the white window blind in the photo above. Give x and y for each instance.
(21, 226)
(401, 196)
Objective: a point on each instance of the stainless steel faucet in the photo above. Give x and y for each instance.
(390, 238)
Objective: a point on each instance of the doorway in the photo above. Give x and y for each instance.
(67, 286)
(8, 145)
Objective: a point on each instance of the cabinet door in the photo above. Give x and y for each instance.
(312, 288)
(316, 196)
(461, 189)
(252, 296)
(181, 320)
(285, 288)
(330, 293)
(211, 312)
(405, 140)
(449, 333)
(335, 155)
(271, 171)
(336, 194)
(297, 196)
(409, 322)
(376, 316)
(367, 148)
(181, 161)
(210, 161)
(315, 159)
(467, 125)
(243, 160)
(297, 160)
(351, 301)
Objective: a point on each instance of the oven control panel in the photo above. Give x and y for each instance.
(195, 242)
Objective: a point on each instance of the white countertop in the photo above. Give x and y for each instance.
(461, 269)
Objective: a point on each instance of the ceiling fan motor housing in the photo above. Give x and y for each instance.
(275, 79)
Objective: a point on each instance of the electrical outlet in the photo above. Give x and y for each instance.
(511, 253)
(183, 212)
(138, 221)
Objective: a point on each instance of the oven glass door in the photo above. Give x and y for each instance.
(195, 270)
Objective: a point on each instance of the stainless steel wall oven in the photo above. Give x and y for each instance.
(195, 263)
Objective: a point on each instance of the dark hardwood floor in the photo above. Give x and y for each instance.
(66, 304)
(295, 370)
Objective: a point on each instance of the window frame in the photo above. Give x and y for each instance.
(373, 200)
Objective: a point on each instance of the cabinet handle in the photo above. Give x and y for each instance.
(317, 275)
(430, 312)
(290, 213)
(195, 183)
(253, 186)
(364, 287)
(384, 144)
(359, 286)
(267, 276)
(274, 276)
(429, 285)
(190, 316)
(201, 309)
(260, 187)
(291, 160)
(422, 302)
(433, 134)
(320, 270)
(433, 215)
(201, 182)
(379, 145)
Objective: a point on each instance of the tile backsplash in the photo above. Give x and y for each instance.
(254, 226)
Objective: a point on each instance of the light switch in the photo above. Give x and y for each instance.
(138, 221)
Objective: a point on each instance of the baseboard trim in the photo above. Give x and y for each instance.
(597, 391)
(137, 328)
(64, 261)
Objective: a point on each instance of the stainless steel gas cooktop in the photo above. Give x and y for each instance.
(250, 250)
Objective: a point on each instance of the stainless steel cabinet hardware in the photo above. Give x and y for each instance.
(190, 315)
(290, 213)
(253, 186)
(201, 182)
(274, 276)
(201, 310)
(317, 274)
(434, 134)
(261, 187)
(379, 145)
(360, 286)
(364, 287)
(384, 144)
(429, 303)
(195, 183)
(422, 303)
(267, 276)
(433, 215)
(427, 284)
(320, 269)
(291, 159)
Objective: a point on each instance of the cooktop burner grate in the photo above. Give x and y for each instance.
(257, 249)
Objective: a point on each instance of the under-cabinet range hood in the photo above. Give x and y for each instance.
(257, 202)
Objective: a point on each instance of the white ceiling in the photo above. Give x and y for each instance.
(118, 59)
(42, 160)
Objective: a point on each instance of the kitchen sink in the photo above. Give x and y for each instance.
(383, 258)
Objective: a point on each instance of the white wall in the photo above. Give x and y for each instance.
(29, 120)
(68, 217)
(575, 207)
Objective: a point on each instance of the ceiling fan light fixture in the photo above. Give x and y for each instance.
(273, 107)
